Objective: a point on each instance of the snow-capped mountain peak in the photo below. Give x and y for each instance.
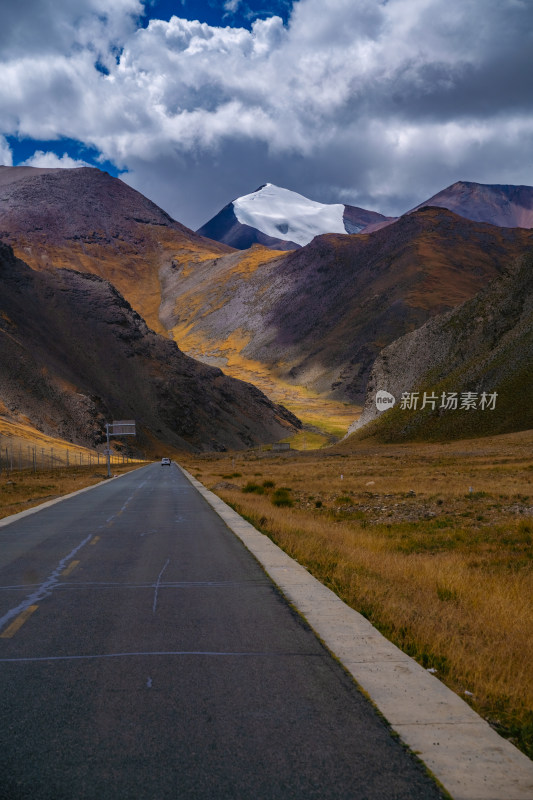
(283, 220)
(283, 214)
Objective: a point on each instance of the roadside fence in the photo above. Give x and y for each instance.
(16, 455)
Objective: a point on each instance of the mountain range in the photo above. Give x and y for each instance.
(317, 317)
(305, 316)
(285, 220)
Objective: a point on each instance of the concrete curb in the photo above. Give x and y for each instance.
(464, 753)
(48, 503)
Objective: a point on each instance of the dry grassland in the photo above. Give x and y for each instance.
(22, 490)
(20, 438)
(432, 543)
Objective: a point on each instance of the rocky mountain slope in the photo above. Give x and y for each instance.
(484, 347)
(283, 220)
(317, 317)
(84, 219)
(507, 206)
(75, 355)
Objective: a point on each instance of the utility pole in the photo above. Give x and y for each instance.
(108, 450)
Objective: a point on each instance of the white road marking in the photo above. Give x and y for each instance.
(214, 653)
(128, 501)
(154, 606)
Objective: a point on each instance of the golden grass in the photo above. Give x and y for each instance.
(445, 572)
(25, 489)
(307, 440)
(28, 449)
(331, 418)
(131, 266)
(19, 436)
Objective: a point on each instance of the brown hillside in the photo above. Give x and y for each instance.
(83, 219)
(483, 346)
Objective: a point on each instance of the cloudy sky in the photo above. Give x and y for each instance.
(377, 103)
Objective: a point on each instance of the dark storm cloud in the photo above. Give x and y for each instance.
(376, 103)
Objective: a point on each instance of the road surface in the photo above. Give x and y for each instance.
(145, 655)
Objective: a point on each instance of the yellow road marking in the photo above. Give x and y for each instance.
(18, 622)
(96, 539)
(71, 566)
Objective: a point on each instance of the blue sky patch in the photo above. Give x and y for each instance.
(239, 13)
(25, 148)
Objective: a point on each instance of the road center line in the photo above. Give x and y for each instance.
(110, 519)
(71, 567)
(18, 622)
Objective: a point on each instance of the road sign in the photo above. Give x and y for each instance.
(122, 427)
(119, 427)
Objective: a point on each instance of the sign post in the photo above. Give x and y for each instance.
(119, 427)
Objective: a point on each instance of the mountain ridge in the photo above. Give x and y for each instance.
(505, 205)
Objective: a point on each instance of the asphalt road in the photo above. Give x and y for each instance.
(144, 654)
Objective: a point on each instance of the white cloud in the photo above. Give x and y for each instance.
(368, 99)
(231, 6)
(51, 160)
(61, 26)
(6, 156)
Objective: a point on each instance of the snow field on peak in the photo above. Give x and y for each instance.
(287, 215)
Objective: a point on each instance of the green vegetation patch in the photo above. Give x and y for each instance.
(281, 498)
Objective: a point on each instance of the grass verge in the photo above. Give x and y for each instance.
(25, 489)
